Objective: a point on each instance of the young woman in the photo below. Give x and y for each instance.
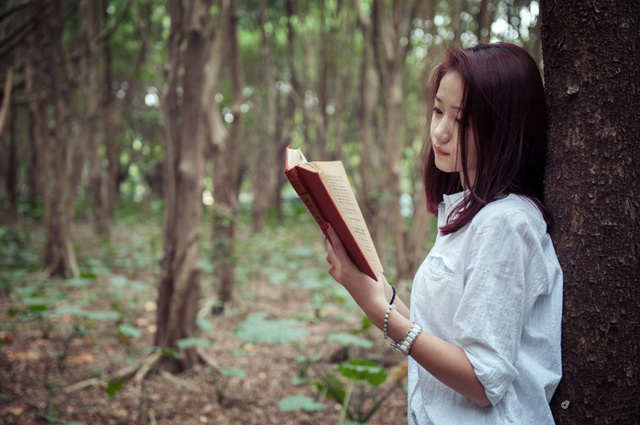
(483, 332)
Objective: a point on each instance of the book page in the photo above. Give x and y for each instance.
(335, 177)
(294, 157)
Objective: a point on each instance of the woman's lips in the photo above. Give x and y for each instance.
(439, 151)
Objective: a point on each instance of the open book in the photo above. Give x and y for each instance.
(324, 188)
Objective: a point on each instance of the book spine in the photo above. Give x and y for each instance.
(293, 175)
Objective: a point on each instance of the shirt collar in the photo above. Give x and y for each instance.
(451, 201)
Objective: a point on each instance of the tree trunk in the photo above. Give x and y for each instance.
(394, 26)
(368, 92)
(180, 282)
(34, 92)
(264, 143)
(226, 160)
(456, 22)
(8, 129)
(11, 163)
(484, 19)
(591, 53)
(59, 256)
(90, 26)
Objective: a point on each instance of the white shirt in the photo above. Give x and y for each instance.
(494, 288)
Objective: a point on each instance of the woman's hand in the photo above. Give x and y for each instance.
(444, 360)
(366, 292)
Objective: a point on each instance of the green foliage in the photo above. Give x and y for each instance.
(363, 370)
(257, 329)
(239, 373)
(17, 259)
(192, 342)
(331, 387)
(129, 331)
(346, 339)
(114, 387)
(205, 325)
(300, 402)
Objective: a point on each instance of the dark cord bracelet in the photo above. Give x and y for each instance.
(393, 297)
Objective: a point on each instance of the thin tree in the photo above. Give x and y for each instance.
(90, 25)
(179, 287)
(591, 52)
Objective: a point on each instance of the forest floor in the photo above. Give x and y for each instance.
(57, 333)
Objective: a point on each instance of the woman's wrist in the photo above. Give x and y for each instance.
(376, 311)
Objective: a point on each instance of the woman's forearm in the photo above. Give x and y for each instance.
(445, 361)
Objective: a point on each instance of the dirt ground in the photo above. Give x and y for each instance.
(42, 360)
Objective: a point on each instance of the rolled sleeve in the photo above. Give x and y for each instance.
(489, 320)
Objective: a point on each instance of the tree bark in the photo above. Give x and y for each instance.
(90, 26)
(226, 157)
(59, 256)
(180, 282)
(368, 92)
(11, 165)
(33, 90)
(394, 26)
(591, 53)
(484, 19)
(264, 144)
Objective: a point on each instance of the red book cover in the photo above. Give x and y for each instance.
(324, 188)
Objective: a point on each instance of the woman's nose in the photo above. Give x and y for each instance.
(443, 131)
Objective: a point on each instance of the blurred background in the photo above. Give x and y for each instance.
(147, 229)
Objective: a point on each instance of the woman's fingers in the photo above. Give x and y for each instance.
(335, 241)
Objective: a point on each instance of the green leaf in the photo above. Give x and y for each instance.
(353, 423)
(256, 329)
(56, 421)
(302, 251)
(299, 381)
(114, 387)
(205, 325)
(233, 372)
(79, 282)
(192, 342)
(129, 330)
(119, 281)
(100, 315)
(138, 286)
(71, 310)
(300, 402)
(366, 324)
(308, 359)
(38, 307)
(346, 339)
(278, 277)
(333, 387)
(363, 370)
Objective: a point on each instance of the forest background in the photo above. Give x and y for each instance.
(157, 268)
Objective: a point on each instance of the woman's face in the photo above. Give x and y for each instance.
(445, 124)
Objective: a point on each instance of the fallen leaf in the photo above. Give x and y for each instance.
(82, 358)
(149, 306)
(15, 410)
(22, 356)
(6, 337)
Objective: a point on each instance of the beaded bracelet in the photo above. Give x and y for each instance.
(386, 320)
(393, 297)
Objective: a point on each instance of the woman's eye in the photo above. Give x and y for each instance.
(437, 111)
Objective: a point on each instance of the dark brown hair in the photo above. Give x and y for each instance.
(503, 102)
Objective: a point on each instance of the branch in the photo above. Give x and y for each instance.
(108, 31)
(7, 13)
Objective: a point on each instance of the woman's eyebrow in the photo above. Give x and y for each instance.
(459, 108)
